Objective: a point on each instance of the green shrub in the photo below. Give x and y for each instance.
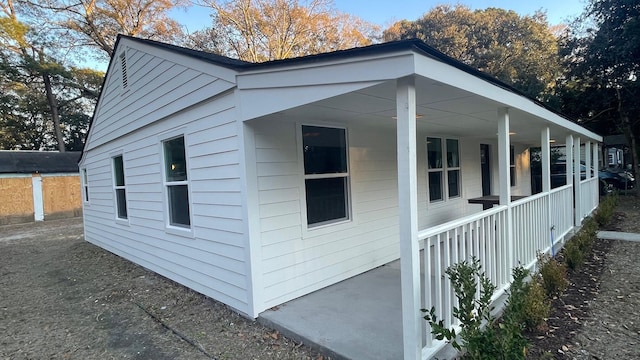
(573, 254)
(537, 306)
(606, 209)
(481, 338)
(553, 274)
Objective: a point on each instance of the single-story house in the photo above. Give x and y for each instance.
(257, 183)
(38, 185)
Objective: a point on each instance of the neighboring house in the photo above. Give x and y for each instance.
(255, 184)
(616, 152)
(38, 185)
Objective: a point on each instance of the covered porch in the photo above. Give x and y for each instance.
(402, 102)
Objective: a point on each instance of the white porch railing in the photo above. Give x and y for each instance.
(484, 235)
(588, 195)
(561, 212)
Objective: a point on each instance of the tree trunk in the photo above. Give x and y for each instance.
(633, 141)
(53, 106)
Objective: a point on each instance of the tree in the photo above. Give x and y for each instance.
(522, 51)
(601, 88)
(38, 90)
(263, 30)
(96, 23)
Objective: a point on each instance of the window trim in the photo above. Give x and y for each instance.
(512, 165)
(183, 231)
(444, 171)
(116, 187)
(84, 180)
(348, 220)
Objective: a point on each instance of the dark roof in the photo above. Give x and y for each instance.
(375, 49)
(30, 162)
(619, 139)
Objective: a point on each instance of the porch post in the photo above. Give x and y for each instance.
(505, 183)
(587, 159)
(408, 213)
(569, 159)
(596, 169)
(546, 159)
(576, 180)
(545, 142)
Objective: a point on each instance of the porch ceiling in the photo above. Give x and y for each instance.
(442, 109)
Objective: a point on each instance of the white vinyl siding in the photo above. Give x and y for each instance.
(213, 260)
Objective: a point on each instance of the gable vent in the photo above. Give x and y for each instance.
(123, 65)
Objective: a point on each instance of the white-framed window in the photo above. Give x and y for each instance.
(512, 165)
(176, 182)
(443, 168)
(85, 184)
(326, 174)
(119, 189)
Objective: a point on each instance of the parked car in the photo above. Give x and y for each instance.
(619, 179)
(608, 180)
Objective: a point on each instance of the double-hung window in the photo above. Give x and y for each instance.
(443, 168)
(326, 174)
(85, 184)
(175, 182)
(119, 188)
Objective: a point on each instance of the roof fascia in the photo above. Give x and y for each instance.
(381, 67)
(437, 70)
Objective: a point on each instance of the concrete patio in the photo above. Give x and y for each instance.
(359, 318)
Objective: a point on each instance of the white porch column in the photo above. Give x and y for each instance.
(408, 213)
(503, 156)
(505, 182)
(545, 141)
(546, 159)
(587, 159)
(569, 158)
(576, 181)
(595, 159)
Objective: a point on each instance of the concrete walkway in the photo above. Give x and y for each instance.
(617, 235)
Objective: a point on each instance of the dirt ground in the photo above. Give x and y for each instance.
(63, 298)
(598, 317)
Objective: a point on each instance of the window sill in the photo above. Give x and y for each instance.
(179, 231)
(122, 221)
(329, 228)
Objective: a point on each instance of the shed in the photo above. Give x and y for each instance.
(38, 185)
(257, 183)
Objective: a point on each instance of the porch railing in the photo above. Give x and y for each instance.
(537, 222)
(588, 195)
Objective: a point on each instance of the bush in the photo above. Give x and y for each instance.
(573, 254)
(553, 274)
(606, 209)
(537, 306)
(480, 337)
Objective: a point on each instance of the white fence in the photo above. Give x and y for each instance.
(588, 195)
(537, 222)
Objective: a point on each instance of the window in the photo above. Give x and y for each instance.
(177, 188)
(119, 187)
(512, 165)
(85, 184)
(326, 174)
(437, 169)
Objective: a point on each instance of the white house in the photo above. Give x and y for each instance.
(255, 184)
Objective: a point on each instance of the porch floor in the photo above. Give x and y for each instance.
(358, 318)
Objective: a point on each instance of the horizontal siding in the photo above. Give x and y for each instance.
(213, 260)
(157, 88)
(297, 260)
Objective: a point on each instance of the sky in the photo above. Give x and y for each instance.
(385, 12)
